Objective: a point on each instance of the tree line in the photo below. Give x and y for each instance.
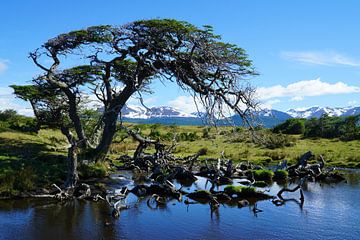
(344, 128)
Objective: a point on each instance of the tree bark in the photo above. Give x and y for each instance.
(111, 116)
(72, 176)
(74, 116)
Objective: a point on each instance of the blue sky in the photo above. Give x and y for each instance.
(307, 52)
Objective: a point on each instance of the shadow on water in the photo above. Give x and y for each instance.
(329, 211)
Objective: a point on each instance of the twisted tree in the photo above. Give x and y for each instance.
(112, 63)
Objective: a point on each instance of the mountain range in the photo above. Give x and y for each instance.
(267, 117)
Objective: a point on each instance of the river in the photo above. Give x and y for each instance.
(330, 211)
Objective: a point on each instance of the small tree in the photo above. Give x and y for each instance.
(122, 61)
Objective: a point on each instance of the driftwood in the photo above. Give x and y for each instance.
(281, 200)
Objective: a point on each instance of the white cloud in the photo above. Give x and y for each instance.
(185, 104)
(352, 103)
(321, 58)
(3, 65)
(298, 90)
(297, 98)
(269, 104)
(8, 101)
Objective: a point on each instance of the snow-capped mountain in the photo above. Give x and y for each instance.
(266, 117)
(352, 111)
(133, 111)
(319, 111)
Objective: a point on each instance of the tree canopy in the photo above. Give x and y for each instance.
(112, 63)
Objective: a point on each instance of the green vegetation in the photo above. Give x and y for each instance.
(29, 160)
(281, 175)
(344, 128)
(240, 190)
(260, 184)
(291, 126)
(9, 119)
(263, 175)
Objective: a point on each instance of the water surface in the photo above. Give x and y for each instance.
(329, 212)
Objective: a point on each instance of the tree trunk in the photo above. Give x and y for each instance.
(107, 136)
(111, 116)
(72, 176)
(74, 116)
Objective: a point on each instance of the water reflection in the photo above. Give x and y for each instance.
(329, 211)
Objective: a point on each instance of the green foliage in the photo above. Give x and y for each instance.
(11, 120)
(13, 182)
(291, 126)
(188, 136)
(274, 140)
(206, 132)
(333, 127)
(263, 175)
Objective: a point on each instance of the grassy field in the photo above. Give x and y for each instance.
(238, 146)
(29, 160)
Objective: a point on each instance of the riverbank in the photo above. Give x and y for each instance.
(33, 161)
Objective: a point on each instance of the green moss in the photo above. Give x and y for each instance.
(281, 175)
(263, 175)
(202, 196)
(260, 184)
(231, 189)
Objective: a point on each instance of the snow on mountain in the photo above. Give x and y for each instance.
(140, 112)
(319, 111)
(352, 111)
(132, 111)
(272, 113)
(266, 117)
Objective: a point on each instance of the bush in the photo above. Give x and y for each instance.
(14, 181)
(291, 126)
(25, 179)
(190, 136)
(272, 140)
(206, 132)
(9, 119)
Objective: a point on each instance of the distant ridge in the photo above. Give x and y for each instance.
(267, 117)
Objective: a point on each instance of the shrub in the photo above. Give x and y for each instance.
(280, 140)
(25, 179)
(10, 119)
(190, 136)
(291, 126)
(206, 132)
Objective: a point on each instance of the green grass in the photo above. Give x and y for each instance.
(238, 147)
(31, 160)
(42, 156)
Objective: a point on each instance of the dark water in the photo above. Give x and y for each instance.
(329, 212)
